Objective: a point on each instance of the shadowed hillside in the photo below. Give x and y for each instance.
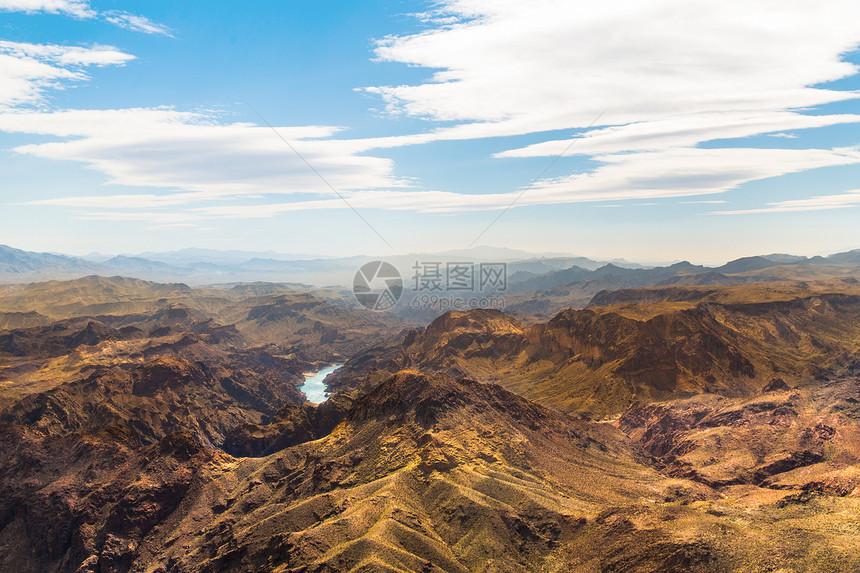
(601, 359)
(424, 474)
(176, 437)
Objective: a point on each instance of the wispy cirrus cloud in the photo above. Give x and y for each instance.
(817, 203)
(199, 156)
(74, 8)
(135, 23)
(187, 157)
(513, 67)
(678, 132)
(82, 9)
(66, 55)
(685, 172)
(27, 71)
(674, 173)
(243, 162)
(669, 75)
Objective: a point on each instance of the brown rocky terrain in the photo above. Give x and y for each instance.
(159, 360)
(161, 396)
(785, 438)
(425, 473)
(597, 361)
(546, 295)
(262, 313)
(401, 482)
(667, 429)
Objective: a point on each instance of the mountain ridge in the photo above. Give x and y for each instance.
(598, 360)
(202, 266)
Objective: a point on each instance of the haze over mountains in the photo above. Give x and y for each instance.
(205, 266)
(526, 271)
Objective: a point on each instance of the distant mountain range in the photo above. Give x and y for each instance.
(193, 266)
(680, 273)
(525, 271)
(207, 266)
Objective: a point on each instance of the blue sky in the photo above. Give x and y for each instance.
(659, 129)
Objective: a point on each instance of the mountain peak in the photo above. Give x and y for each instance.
(433, 399)
(473, 320)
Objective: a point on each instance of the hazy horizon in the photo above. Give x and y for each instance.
(515, 254)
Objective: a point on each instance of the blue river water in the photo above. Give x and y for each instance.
(314, 388)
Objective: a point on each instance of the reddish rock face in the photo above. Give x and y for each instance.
(167, 440)
(733, 350)
(175, 504)
(785, 438)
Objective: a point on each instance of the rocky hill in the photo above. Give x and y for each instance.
(425, 473)
(599, 360)
(675, 428)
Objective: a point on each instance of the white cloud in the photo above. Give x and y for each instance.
(666, 75)
(135, 23)
(28, 70)
(75, 8)
(66, 55)
(675, 173)
(195, 154)
(677, 132)
(535, 65)
(82, 9)
(242, 168)
(669, 75)
(424, 201)
(138, 201)
(817, 203)
(683, 172)
(23, 81)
